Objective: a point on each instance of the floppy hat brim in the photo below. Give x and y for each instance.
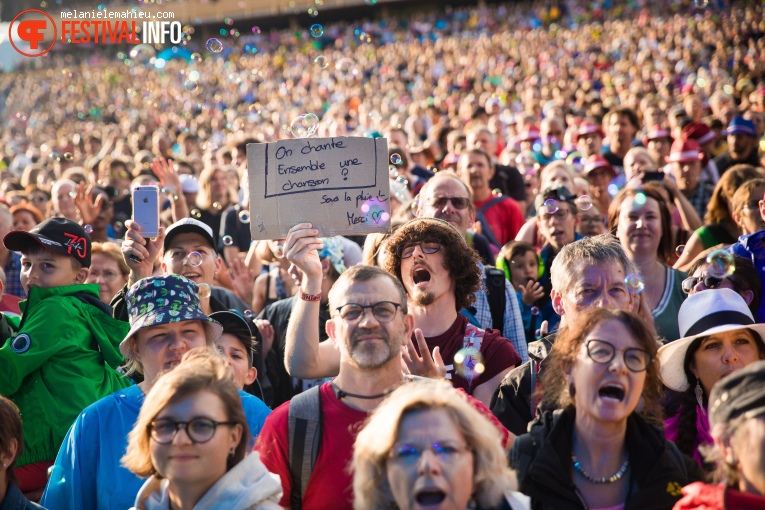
(672, 355)
(212, 329)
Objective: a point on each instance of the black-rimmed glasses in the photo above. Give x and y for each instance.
(600, 351)
(710, 282)
(199, 430)
(428, 246)
(383, 311)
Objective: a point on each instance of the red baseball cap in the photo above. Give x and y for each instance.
(587, 128)
(684, 150)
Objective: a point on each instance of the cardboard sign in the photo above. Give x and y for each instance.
(340, 185)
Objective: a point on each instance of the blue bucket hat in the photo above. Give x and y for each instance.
(162, 300)
(332, 249)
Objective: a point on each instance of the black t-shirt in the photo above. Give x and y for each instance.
(509, 181)
(232, 226)
(483, 247)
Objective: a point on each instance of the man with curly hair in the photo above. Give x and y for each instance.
(440, 274)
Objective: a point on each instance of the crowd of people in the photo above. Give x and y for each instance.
(566, 313)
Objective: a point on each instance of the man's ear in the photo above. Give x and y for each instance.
(557, 302)
(325, 265)
(82, 275)
(331, 328)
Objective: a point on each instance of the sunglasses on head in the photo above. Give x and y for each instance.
(710, 282)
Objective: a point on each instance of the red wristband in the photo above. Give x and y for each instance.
(309, 297)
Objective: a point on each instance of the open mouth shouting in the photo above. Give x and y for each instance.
(420, 274)
(429, 497)
(613, 392)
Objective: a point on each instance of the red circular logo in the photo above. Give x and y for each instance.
(31, 31)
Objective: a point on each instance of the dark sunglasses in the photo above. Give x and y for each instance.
(458, 202)
(710, 282)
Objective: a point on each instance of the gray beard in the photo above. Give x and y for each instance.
(371, 357)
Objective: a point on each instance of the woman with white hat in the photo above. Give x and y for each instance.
(719, 336)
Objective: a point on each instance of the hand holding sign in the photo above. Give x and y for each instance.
(339, 185)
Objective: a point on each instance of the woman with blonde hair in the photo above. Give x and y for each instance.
(108, 269)
(190, 439)
(428, 444)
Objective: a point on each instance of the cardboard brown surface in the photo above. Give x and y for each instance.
(340, 185)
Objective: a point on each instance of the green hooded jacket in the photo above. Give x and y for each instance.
(63, 357)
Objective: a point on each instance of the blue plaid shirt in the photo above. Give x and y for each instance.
(513, 323)
(13, 276)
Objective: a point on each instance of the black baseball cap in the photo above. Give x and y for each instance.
(234, 323)
(738, 394)
(189, 226)
(560, 194)
(61, 236)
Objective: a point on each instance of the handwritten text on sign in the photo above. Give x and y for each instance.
(340, 185)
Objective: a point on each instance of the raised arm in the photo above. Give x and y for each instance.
(305, 357)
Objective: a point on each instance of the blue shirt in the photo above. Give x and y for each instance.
(752, 247)
(88, 474)
(13, 275)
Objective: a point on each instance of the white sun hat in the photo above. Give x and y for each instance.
(703, 314)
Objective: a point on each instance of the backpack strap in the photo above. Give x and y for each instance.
(304, 436)
(495, 293)
(485, 228)
(522, 455)
(534, 367)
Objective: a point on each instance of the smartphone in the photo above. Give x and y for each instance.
(146, 209)
(653, 176)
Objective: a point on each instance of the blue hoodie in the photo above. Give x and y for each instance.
(88, 474)
(752, 247)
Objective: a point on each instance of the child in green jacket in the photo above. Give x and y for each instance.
(63, 355)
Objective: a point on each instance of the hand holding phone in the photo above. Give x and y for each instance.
(146, 209)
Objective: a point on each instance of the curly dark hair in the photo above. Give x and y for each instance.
(460, 259)
(567, 344)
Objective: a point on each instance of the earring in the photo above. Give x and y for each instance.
(699, 391)
(231, 452)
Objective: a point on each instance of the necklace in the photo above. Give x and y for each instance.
(606, 479)
(342, 394)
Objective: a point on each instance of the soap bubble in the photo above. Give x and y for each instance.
(679, 250)
(584, 203)
(346, 69)
(720, 264)
(317, 30)
(321, 61)
(217, 205)
(370, 2)
(54, 156)
(534, 310)
(468, 363)
(538, 333)
(88, 229)
(395, 159)
(196, 213)
(228, 240)
(203, 291)
(214, 45)
(256, 30)
(496, 192)
(194, 259)
(169, 193)
(244, 216)
(551, 206)
(613, 189)
(313, 12)
(305, 125)
(142, 53)
(278, 251)
(701, 4)
(73, 194)
(196, 57)
(640, 198)
(634, 283)
(68, 156)
(248, 314)
(402, 181)
(191, 86)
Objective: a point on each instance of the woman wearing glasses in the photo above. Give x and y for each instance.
(640, 219)
(598, 451)
(744, 280)
(719, 337)
(427, 445)
(190, 439)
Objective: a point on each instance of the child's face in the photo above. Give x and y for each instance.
(45, 269)
(238, 359)
(524, 268)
